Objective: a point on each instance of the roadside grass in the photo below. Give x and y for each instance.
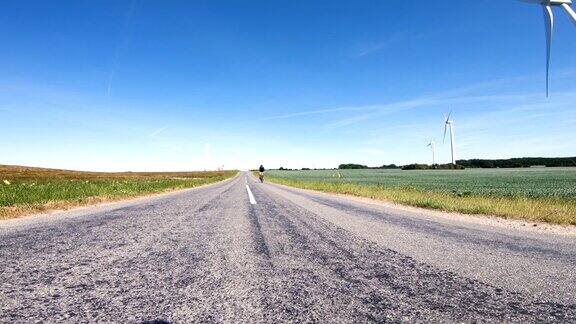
(25, 190)
(544, 208)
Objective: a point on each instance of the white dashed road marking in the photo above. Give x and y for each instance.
(251, 196)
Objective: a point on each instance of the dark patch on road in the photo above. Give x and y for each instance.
(445, 231)
(259, 240)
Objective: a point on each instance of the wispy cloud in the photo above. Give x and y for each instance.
(157, 132)
(367, 48)
(517, 125)
(524, 117)
(380, 110)
(386, 109)
(314, 112)
(125, 40)
(450, 97)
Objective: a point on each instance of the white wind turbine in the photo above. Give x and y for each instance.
(432, 146)
(448, 123)
(549, 22)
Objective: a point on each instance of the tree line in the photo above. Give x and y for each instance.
(472, 163)
(525, 162)
(360, 166)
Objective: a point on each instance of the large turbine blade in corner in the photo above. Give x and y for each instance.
(570, 12)
(549, 22)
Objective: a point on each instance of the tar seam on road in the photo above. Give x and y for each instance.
(251, 196)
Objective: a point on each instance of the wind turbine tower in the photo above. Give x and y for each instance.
(432, 145)
(449, 124)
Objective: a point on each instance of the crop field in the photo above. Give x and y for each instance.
(542, 194)
(528, 182)
(26, 190)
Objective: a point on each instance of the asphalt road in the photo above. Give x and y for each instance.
(211, 255)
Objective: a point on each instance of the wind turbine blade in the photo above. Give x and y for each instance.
(445, 128)
(549, 22)
(445, 118)
(569, 11)
(449, 115)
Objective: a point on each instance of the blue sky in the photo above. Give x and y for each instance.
(181, 85)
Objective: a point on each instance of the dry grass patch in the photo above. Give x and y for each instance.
(25, 190)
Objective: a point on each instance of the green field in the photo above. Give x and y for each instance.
(26, 190)
(528, 182)
(543, 194)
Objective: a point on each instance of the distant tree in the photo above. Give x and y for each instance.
(305, 169)
(448, 166)
(415, 166)
(352, 166)
(519, 162)
(281, 168)
(389, 166)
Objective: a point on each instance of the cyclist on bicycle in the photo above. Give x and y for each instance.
(261, 171)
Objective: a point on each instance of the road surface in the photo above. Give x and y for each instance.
(241, 251)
